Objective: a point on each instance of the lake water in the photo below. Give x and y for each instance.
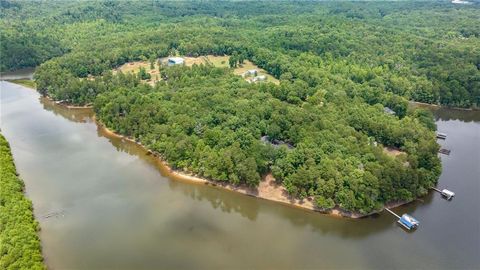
(120, 209)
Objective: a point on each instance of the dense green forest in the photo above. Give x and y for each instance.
(339, 65)
(19, 242)
(423, 51)
(208, 121)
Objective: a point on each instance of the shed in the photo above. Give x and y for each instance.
(259, 78)
(251, 72)
(175, 61)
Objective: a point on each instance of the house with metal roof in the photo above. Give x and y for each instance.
(175, 61)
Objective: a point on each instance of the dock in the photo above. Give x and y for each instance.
(447, 194)
(391, 212)
(407, 221)
(441, 136)
(444, 151)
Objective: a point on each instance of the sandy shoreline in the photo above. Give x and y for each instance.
(267, 189)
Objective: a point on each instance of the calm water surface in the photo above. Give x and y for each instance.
(122, 211)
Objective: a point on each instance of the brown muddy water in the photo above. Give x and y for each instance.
(117, 208)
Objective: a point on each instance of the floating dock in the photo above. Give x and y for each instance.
(407, 221)
(441, 136)
(447, 194)
(444, 151)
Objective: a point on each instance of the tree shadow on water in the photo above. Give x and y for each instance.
(77, 115)
(231, 202)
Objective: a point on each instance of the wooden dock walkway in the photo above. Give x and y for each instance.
(393, 213)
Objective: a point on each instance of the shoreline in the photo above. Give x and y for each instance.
(267, 185)
(267, 189)
(443, 106)
(66, 105)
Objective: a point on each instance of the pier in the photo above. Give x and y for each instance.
(444, 151)
(441, 136)
(407, 221)
(391, 212)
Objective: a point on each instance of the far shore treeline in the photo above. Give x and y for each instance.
(339, 65)
(424, 51)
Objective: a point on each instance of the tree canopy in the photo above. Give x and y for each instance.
(322, 132)
(423, 51)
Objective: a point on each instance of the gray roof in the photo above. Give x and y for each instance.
(389, 111)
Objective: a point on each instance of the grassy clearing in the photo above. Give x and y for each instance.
(134, 67)
(217, 61)
(222, 61)
(247, 65)
(19, 243)
(26, 83)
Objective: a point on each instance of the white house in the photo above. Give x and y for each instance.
(251, 72)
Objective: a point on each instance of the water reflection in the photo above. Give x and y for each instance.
(77, 115)
(447, 114)
(122, 214)
(231, 202)
(222, 200)
(26, 73)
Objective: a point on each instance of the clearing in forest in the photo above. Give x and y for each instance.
(134, 67)
(217, 61)
(247, 65)
(392, 151)
(222, 61)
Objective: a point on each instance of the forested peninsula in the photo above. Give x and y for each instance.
(325, 133)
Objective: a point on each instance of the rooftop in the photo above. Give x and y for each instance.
(176, 59)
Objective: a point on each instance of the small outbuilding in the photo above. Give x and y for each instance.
(259, 78)
(250, 72)
(175, 61)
